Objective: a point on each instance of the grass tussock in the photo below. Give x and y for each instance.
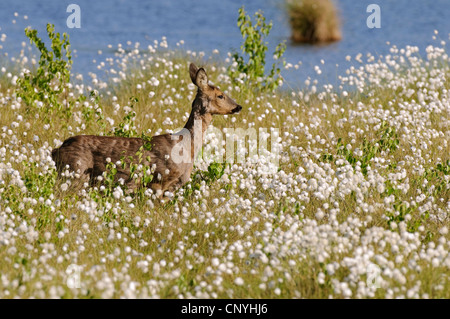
(314, 21)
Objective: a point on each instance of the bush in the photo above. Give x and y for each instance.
(250, 71)
(47, 89)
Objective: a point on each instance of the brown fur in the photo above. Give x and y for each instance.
(87, 154)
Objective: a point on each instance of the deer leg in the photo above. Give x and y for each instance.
(175, 185)
(157, 190)
(78, 173)
(160, 188)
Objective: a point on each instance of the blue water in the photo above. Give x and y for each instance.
(205, 25)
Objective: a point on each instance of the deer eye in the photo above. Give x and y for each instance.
(220, 96)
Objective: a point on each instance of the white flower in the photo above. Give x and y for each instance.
(215, 262)
(239, 281)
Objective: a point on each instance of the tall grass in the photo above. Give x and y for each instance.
(363, 180)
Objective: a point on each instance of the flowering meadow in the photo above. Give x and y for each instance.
(357, 207)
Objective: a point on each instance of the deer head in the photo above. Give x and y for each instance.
(210, 99)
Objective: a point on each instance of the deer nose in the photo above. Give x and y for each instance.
(236, 109)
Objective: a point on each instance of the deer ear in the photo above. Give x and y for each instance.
(201, 79)
(193, 72)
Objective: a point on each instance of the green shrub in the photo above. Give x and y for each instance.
(388, 142)
(254, 47)
(46, 90)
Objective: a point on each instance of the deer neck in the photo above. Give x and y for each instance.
(197, 125)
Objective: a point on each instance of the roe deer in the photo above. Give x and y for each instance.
(87, 155)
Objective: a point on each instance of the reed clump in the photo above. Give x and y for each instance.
(314, 21)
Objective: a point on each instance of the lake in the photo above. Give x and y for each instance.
(205, 25)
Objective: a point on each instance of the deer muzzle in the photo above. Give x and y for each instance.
(236, 109)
